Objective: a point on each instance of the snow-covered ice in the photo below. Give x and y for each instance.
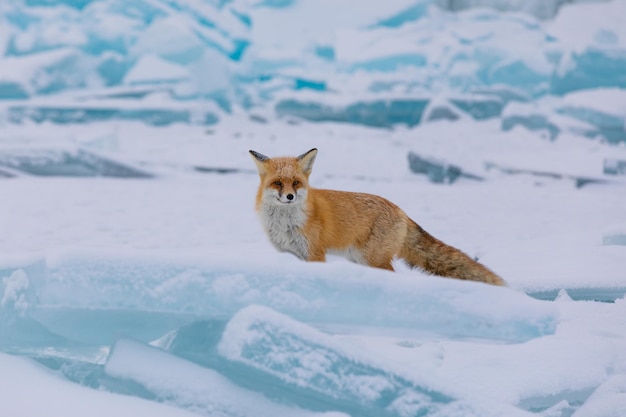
(29, 389)
(190, 386)
(170, 260)
(135, 278)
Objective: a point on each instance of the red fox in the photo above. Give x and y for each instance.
(365, 228)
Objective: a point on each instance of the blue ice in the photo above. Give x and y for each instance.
(66, 162)
(200, 368)
(417, 51)
(305, 359)
(118, 292)
(251, 328)
(152, 373)
(378, 113)
(77, 113)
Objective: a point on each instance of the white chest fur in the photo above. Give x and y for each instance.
(283, 224)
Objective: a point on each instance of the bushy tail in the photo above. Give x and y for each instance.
(422, 250)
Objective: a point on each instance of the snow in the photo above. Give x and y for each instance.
(611, 101)
(35, 391)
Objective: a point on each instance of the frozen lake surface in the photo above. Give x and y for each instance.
(162, 295)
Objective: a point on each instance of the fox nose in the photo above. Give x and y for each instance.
(290, 197)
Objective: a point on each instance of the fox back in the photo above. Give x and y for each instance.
(364, 228)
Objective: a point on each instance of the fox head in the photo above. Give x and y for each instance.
(284, 180)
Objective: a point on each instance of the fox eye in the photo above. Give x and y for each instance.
(277, 183)
(296, 183)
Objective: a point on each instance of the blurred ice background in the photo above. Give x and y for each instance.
(547, 65)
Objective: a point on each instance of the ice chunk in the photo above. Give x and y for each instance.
(522, 73)
(436, 170)
(188, 386)
(303, 359)
(6, 173)
(59, 162)
(23, 334)
(609, 400)
(615, 235)
(588, 113)
(578, 180)
(13, 90)
(18, 297)
(614, 167)
(441, 111)
(81, 365)
(531, 122)
(151, 69)
(279, 4)
(469, 51)
(594, 53)
(601, 294)
(479, 107)
(19, 287)
(339, 293)
(76, 4)
(46, 72)
(531, 116)
(15, 292)
(605, 109)
(171, 39)
(603, 25)
(118, 26)
(73, 112)
(410, 14)
(198, 342)
(390, 63)
(590, 69)
(60, 48)
(301, 356)
(542, 9)
(378, 113)
(35, 391)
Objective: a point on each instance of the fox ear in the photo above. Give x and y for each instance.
(259, 160)
(306, 161)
